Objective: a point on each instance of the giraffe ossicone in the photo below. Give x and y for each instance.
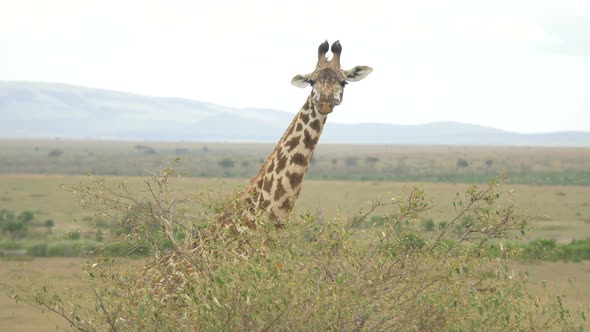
(275, 189)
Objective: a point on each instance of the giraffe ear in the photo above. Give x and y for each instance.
(300, 81)
(357, 73)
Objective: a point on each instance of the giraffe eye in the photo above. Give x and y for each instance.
(311, 82)
(343, 83)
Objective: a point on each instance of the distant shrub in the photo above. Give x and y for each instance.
(371, 161)
(49, 223)
(73, 235)
(63, 249)
(26, 216)
(351, 161)
(227, 163)
(10, 245)
(146, 149)
(576, 251)
(540, 249)
(462, 163)
(428, 224)
(38, 250)
(55, 153)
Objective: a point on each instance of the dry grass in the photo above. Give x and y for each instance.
(60, 272)
(524, 165)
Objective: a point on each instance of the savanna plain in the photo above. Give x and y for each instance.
(37, 199)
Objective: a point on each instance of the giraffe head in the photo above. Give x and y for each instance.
(328, 79)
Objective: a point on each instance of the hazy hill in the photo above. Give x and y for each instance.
(32, 110)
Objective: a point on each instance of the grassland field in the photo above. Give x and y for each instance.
(552, 184)
(453, 164)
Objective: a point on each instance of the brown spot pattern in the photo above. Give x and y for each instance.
(306, 105)
(315, 125)
(299, 159)
(280, 190)
(309, 141)
(264, 204)
(260, 182)
(268, 184)
(270, 167)
(286, 205)
(299, 126)
(295, 179)
(281, 164)
(292, 143)
(304, 117)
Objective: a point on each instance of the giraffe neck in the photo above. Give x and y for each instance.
(276, 186)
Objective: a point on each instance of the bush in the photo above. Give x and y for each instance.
(428, 224)
(576, 251)
(38, 250)
(311, 274)
(462, 163)
(55, 153)
(63, 249)
(227, 163)
(73, 235)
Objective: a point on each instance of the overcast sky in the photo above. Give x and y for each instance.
(520, 65)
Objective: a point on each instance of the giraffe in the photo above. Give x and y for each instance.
(275, 189)
(272, 192)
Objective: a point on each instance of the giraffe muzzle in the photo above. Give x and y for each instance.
(326, 108)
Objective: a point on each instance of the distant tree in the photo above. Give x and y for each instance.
(15, 229)
(182, 151)
(428, 224)
(6, 215)
(146, 149)
(351, 161)
(26, 216)
(489, 163)
(55, 153)
(227, 163)
(49, 224)
(245, 163)
(462, 163)
(371, 161)
(205, 148)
